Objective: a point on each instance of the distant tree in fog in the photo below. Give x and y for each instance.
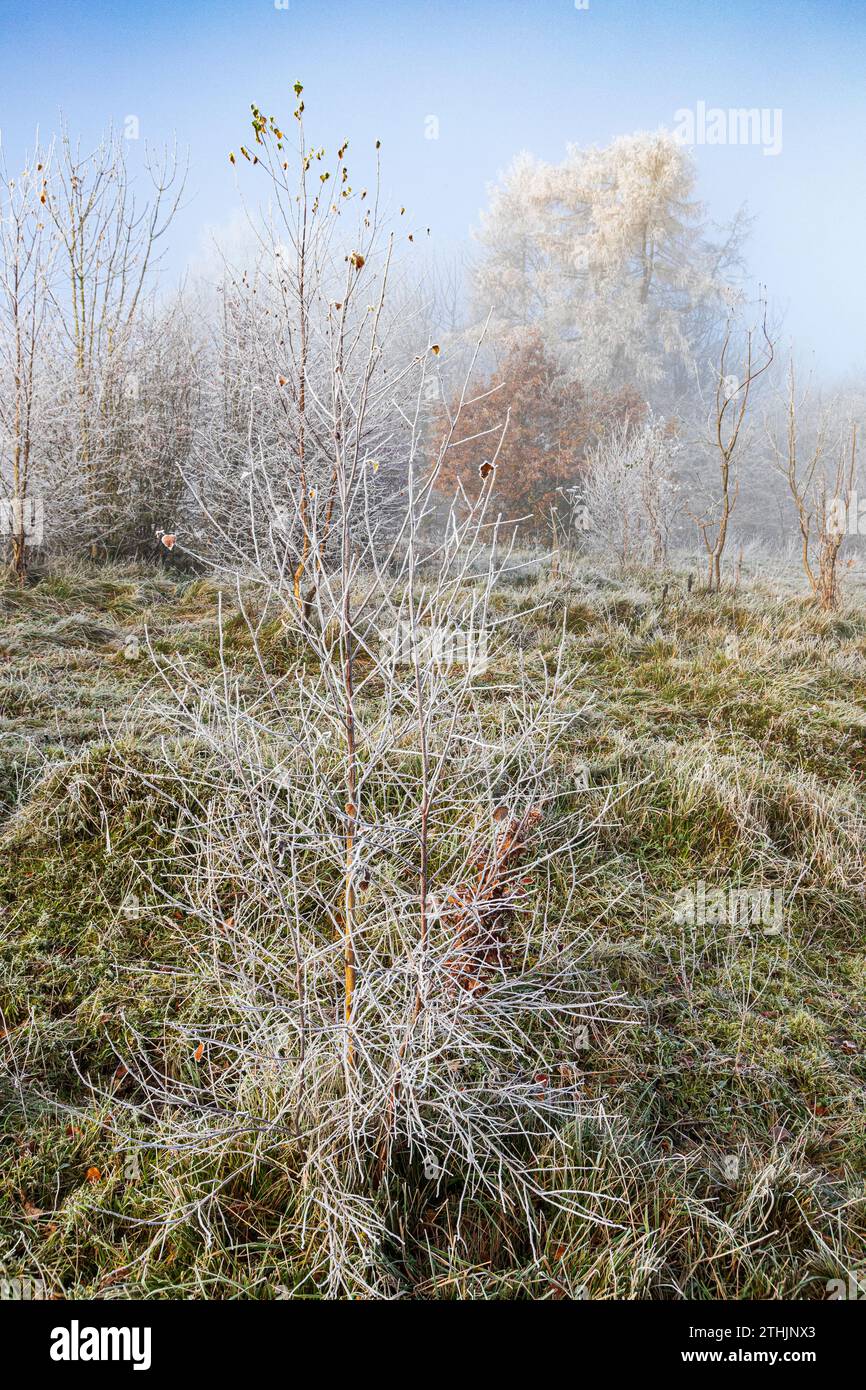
(609, 256)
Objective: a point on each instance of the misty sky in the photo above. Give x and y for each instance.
(499, 77)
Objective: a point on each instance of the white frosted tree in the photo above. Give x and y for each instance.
(26, 264)
(631, 492)
(108, 241)
(609, 255)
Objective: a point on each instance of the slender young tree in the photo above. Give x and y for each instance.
(820, 479)
(26, 266)
(110, 245)
(727, 419)
(368, 815)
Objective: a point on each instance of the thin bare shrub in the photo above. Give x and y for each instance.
(631, 492)
(377, 845)
(820, 485)
(727, 429)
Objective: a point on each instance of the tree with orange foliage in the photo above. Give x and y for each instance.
(535, 428)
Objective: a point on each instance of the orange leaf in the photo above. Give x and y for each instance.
(199, 1052)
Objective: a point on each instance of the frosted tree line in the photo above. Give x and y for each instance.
(135, 420)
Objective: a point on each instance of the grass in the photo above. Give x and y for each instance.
(740, 1045)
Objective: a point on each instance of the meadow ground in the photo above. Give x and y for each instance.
(724, 744)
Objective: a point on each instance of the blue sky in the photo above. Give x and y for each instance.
(500, 76)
